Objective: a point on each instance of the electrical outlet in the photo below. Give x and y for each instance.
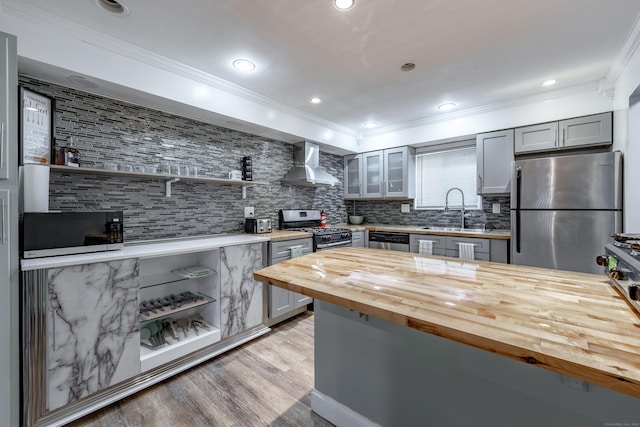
(405, 208)
(248, 212)
(496, 208)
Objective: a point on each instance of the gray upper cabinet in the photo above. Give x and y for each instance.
(372, 174)
(352, 176)
(8, 95)
(571, 133)
(380, 174)
(494, 152)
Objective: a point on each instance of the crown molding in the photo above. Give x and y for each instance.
(45, 20)
(593, 86)
(628, 49)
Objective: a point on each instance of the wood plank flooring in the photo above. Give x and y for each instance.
(266, 382)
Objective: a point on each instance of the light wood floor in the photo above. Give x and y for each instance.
(266, 382)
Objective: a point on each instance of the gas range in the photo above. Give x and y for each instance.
(621, 263)
(309, 220)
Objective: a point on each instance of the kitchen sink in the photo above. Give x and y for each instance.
(468, 230)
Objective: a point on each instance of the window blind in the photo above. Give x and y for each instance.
(439, 171)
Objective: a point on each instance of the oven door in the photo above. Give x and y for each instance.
(333, 245)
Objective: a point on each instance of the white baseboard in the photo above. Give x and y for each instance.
(336, 413)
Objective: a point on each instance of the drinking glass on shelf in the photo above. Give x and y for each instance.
(138, 168)
(111, 165)
(126, 167)
(151, 168)
(165, 167)
(193, 170)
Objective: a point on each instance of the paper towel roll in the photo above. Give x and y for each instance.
(36, 188)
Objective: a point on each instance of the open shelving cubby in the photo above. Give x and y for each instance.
(159, 282)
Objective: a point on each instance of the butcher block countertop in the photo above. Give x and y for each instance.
(280, 235)
(575, 324)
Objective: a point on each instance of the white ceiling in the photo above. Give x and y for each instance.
(470, 52)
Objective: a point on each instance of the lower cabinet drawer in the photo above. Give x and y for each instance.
(478, 256)
(480, 245)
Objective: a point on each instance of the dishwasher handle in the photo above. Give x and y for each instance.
(389, 237)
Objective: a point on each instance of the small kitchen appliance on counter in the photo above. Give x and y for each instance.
(67, 233)
(257, 225)
(621, 263)
(310, 220)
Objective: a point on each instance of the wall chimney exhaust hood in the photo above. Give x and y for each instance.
(306, 169)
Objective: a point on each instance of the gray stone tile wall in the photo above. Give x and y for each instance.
(388, 212)
(107, 130)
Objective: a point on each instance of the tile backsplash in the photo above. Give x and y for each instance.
(111, 131)
(106, 130)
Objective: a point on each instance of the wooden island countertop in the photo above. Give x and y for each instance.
(575, 324)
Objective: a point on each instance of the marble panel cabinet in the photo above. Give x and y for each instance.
(242, 298)
(92, 334)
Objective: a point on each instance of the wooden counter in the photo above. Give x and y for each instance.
(280, 235)
(571, 323)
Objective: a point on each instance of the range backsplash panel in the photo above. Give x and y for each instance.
(107, 130)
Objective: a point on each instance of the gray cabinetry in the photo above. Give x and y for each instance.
(494, 151)
(352, 176)
(92, 329)
(480, 250)
(283, 303)
(357, 239)
(241, 297)
(578, 132)
(485, 249)
(8, 113)
(380, 174)
(438, 243)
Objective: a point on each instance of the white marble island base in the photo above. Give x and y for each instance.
(373, 372)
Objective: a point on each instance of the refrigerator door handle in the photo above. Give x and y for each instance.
(518, 191)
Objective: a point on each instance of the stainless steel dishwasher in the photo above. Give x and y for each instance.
(389, 241)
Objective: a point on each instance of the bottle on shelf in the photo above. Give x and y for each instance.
(68, 155)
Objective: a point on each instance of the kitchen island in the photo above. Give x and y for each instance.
(376, 365)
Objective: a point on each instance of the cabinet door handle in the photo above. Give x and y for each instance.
(479, 184)
(54, 314)
(563, 136)
(555, 136)
(2, 222)
(2, 144)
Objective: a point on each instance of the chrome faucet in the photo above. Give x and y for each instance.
(446, 205)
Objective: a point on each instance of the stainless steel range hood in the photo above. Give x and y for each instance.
(306, 169)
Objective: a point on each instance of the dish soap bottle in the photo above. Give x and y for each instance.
(323, 219)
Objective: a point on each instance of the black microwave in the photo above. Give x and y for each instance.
(67, 233)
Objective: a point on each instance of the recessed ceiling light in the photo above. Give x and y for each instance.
(81, 81)
(343, 4)
(315, 100)
(370, 125)
(113, 6)
(243, 65)
(549, 82)
(408, 66)
(446, 107)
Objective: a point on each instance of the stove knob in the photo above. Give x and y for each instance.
(326, 238)
(634, 292)
(602, 260)
(345, 235)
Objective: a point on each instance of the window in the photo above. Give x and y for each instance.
(440, 169)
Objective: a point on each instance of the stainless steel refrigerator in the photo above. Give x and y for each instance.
(564, 209)
(9, 271)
